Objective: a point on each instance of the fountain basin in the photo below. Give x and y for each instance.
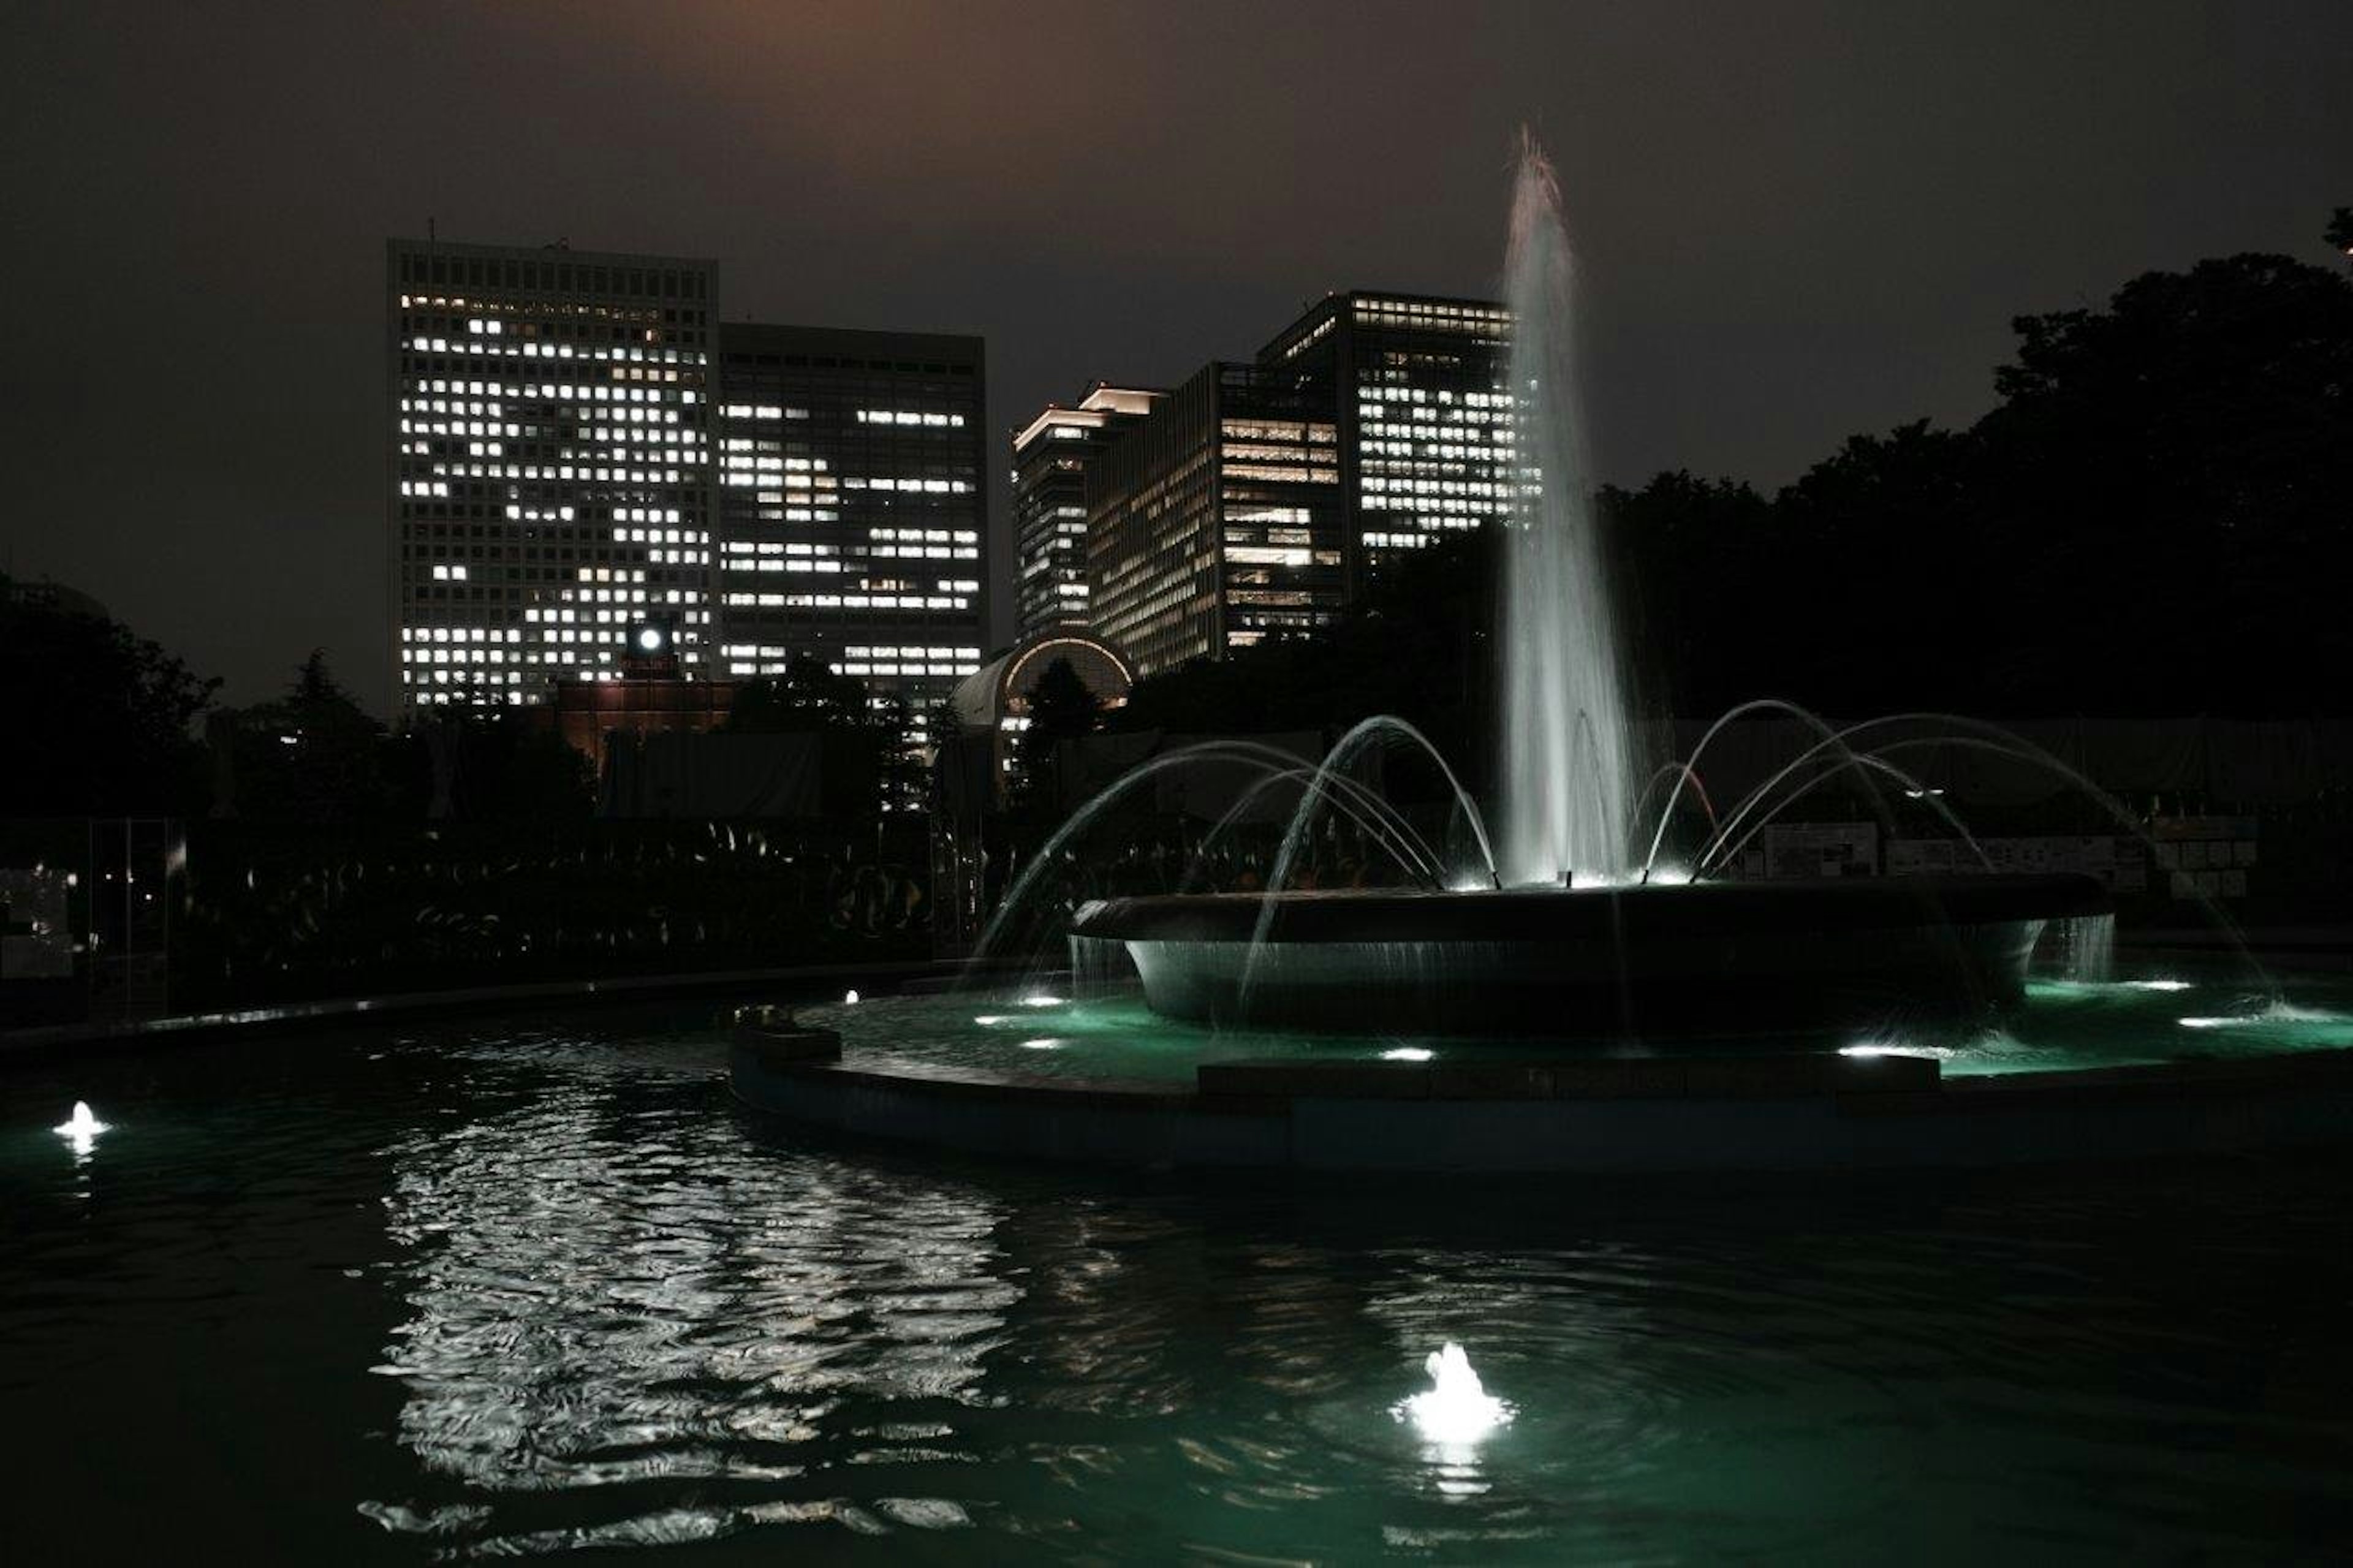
(1650, 1115)
(1723, 958)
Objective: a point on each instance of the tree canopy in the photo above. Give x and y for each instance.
(808, 698)
(313, 755)
(2151, 519)
(101, 718)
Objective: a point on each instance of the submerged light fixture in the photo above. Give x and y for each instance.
(1870, 1048)
(81, 1129)
(1456, 1410)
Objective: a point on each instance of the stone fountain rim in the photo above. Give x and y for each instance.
(1625, 914)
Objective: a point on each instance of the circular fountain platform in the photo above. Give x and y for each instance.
(1476, 1111)
(1719, 958)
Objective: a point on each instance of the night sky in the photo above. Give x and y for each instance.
(1796, 221)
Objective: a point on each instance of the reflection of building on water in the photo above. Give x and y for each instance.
(602, 1294)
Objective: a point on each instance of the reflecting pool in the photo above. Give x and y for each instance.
(433, 1293)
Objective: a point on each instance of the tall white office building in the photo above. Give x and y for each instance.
(551, 484)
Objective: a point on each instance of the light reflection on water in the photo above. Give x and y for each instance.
(525, 1290)
(2063, 1025)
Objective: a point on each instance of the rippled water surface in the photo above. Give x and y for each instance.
(437, 1293)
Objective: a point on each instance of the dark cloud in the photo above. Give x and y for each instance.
(1796, 221)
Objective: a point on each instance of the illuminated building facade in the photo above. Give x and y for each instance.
(1051, 458)
(1257, 500)
(1423, 403)
(1215, 522)
(851, 512)
(550, 465)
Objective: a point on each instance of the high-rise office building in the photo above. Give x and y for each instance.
(1216, 521)
(1257, 500)
(1051, 458)
(852, 513)
(551, 491)
(1422, 398)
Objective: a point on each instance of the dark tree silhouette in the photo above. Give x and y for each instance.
(808, 698)
(100, 718)
(2170, 476)
(868, 755)
(1061, 709)
(1060, 706)
(313, 755)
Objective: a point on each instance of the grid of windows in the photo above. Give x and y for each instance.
(1257, 498)
(1216, 522)
(1427, 426)
(1050, 458)
(551, 465)
(850, 512)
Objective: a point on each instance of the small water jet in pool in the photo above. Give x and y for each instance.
(1455, 1410)
(81, 1129)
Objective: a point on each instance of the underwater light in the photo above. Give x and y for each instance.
(81, 1129)
(990, 1020)
(849, 998)
(1456, 1410)
(1878, 1049)
(2221, 1023)
(1047, 1044)
(1406, 1054)
(2155, 984)
(1041, 1000)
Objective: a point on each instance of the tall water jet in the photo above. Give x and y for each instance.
(1567, 786)
(1628, 957)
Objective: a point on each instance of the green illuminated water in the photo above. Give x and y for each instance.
(2180, 1012)
(430, 1294)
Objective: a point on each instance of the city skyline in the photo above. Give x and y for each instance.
(1791, 231)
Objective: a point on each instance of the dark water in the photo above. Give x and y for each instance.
(422, 1295)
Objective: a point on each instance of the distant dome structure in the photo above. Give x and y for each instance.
(995, 696)
(52, 596)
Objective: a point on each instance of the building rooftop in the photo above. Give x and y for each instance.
(1100, 400)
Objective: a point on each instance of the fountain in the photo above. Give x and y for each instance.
(81, 1129)
(1455, 1410)
(1569, 933)
(1565, 727)
(1603, 984)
